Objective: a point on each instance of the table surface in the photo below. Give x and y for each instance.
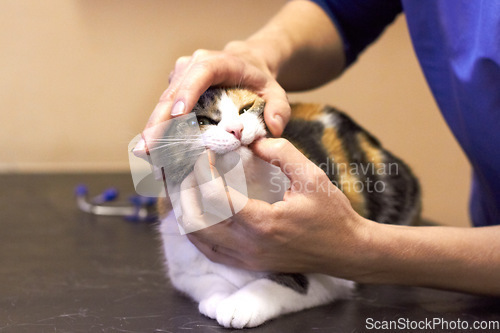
(62, 270)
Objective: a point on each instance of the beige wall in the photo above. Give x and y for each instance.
(79, 78)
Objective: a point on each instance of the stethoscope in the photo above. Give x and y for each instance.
(139, 209)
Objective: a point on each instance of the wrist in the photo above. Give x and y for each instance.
(352, 256)
(386, 255)
(364, 251)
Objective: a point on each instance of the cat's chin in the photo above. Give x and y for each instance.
(245, 153)
(239, 147)
(224, 149)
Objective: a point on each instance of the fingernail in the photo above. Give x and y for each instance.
(139, 149)
(278, 119)
(178, 109)
(141, 145)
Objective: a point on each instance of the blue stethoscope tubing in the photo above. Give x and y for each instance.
(139, 209)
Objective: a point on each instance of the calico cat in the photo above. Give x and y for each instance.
(379, 186)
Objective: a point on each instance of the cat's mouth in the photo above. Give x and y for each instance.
(222, 145)
(222, 142)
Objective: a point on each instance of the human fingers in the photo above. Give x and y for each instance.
(180, 65)
(214, 251)
(277, 110)
(236, 241)
(190, 201)
(192, 76)
(246, 214)
(212, 186)
(216, 193)
(210, 68)
(204, 169)
(203, 199)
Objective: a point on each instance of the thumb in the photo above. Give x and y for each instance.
(295, 165)
(277, 111)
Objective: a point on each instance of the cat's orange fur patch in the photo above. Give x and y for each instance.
(307, 111)
(243, 98)
(346, 180)
(373, 154)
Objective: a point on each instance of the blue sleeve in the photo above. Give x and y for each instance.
(360, 22)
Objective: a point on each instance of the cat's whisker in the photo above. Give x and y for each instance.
(178, 142)
(181, 145)
(176, 136)
(175, 139)
(177, 150)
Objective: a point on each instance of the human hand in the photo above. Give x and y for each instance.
(237, 65)
(314, 228)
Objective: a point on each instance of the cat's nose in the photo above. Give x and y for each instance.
(235, 129)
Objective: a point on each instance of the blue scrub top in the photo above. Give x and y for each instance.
(458, 46)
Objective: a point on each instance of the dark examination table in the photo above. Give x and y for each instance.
(64, 271)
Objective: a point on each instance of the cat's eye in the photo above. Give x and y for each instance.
(246, 108)
(204, 121)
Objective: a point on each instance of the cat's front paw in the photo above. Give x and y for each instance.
(239, 312)
(208, 306)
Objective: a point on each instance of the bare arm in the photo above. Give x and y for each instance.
(301, 45)
(464, 259)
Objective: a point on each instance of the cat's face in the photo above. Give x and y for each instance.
(229, 119)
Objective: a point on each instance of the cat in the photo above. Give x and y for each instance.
(379, 186)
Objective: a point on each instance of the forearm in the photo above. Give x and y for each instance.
(300, 46)
(442, 257)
